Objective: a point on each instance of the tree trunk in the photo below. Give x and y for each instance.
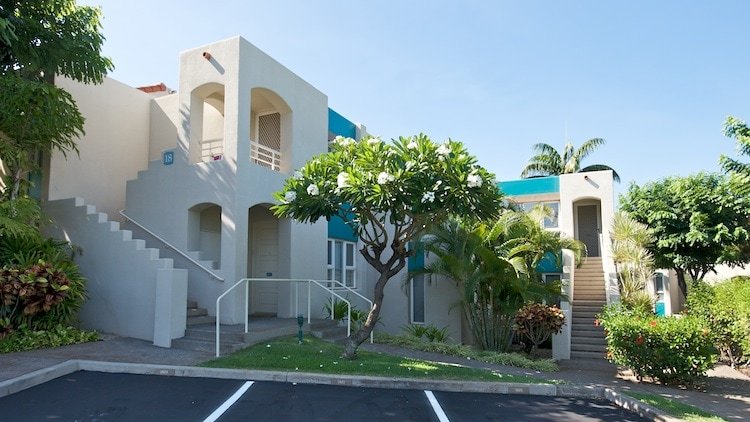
(681, 282)
(358, 337)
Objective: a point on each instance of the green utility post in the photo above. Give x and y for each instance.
(300, 321)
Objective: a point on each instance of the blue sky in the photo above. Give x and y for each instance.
(654, 79)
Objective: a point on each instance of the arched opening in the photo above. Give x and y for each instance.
(204, 233)
(263, 260)
(587, 214)
(270, 128)
(207, 123)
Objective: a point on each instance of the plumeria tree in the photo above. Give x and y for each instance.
(389, 193)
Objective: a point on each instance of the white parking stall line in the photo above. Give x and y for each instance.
(227, 404)
(436, 406)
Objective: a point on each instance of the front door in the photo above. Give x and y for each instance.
(588, 228)
(265, 262)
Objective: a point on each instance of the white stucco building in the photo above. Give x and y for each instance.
(169, 202)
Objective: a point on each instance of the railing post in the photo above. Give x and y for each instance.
(218, 313)
(309, 286)
(247, 304)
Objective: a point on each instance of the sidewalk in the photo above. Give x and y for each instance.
(727, 392)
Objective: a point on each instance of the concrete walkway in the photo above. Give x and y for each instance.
(727, 392)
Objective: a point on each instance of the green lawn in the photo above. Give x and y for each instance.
(318, 356)
(675, 408)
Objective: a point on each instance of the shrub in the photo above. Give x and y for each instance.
(29, 296)
(429, 332)
(726, 309)
(499, 358)
(671, 349)
(537, 322)
(25, 339)
(337, 309)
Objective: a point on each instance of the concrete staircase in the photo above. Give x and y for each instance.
(589, 296)
(133, 291)
(200, 334)
(328, 330)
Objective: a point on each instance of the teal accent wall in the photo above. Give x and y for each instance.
(340, 125)
(549, 264)
(535, 185)
(416, 262)
(338, 229)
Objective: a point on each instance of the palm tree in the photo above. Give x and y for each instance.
(634, 264)
(494, 266)
(549, 162)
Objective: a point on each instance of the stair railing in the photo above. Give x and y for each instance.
(320, 283)
(170, 246)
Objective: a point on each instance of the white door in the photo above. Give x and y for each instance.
(265, 262)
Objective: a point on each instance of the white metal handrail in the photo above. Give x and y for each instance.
(265, 156)
(174, 248)
(340, 284)
(309, 282)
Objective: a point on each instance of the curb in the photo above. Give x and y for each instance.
(41, 376)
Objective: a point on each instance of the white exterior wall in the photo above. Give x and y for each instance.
(161, 196)
(580, 188)
(163, 128)
(113, 150)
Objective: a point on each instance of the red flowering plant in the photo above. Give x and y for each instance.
(537, 322)
(672, 350)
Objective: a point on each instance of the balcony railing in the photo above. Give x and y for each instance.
(265, 156)
(212, 149)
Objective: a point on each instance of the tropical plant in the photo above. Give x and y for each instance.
(427, 332)
(39, 40)
(336, 309)
(549, 162)
(494, 266)
(634, 264)
(537, 322)
(698, 222)
(389, 194)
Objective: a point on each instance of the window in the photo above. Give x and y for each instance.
(550, 222)
(342, 263)
(417, 299)
(549, 278)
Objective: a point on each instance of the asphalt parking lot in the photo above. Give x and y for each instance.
(98, 396)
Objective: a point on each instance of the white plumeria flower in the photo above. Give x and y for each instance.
(373, 141)
(412, 144)
(344, 141)
(443, 150)
(342, 180)
(428, 197)
(290, 196)
(313, 190)
(474, 180)
(384, 178)
(297, 174)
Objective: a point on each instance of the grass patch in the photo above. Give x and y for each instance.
(510, 359)
(318, 356)
(675, 408)
(22, 340)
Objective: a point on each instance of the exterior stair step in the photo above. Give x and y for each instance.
(206, 319)
(583, 347)
(588, 340)
(587, 355)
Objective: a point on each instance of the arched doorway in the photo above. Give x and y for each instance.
(588, 225)
(263, 260)
(204, 232)
(207, 123)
